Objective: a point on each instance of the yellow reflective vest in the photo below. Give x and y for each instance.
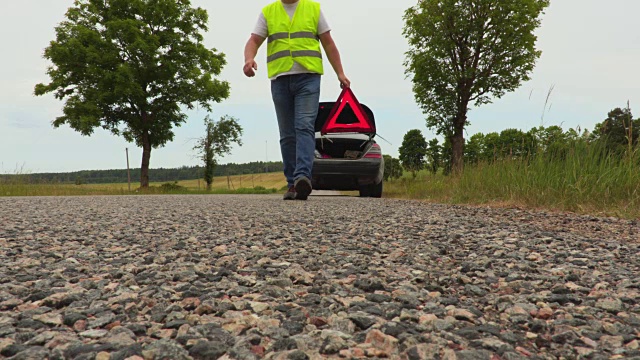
(293, 39)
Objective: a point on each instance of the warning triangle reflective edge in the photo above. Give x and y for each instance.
(364, 124)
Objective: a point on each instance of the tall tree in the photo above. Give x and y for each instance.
(413, 150)
(514, 144)
(491, 147)
(434, 154)
(474, 148)
(130, 66)
(465, 52)
(619, 131)
(392, 168)
(217, 141)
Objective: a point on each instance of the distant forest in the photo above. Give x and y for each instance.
(155, 175)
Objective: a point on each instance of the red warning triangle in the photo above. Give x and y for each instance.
(360, 123)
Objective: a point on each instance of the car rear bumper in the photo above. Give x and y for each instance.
(340, 174)
(360, 167)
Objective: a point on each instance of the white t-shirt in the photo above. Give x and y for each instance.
(262, 30)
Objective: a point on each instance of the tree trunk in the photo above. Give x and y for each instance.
(146, 156)
(457, 142)
(208, 186)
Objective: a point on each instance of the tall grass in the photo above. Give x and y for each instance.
(586, 178)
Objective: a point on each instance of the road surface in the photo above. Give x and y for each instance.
(251, 277)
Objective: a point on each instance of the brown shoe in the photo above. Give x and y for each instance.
(290, 194)
(303, 188)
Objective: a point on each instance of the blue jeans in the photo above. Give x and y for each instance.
(296, 98)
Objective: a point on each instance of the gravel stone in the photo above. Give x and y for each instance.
(126, 352)
(32, 353)
(363, 322)
(165, 350)
(208, 350)
(252, 277)
(94, 334)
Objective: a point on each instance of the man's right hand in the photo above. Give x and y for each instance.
(250, 68)
(344, 81)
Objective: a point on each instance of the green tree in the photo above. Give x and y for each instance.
(473, 149)
(619, 131)
(412, 151)
(465, 52)
(434, 155)
(128, 66)
(491, 149)
(546, 137)
(553, 140)
(392, 168)
(217, 141)
(446, 156)
(515, 144)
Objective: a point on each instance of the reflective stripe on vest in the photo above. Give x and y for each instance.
(294, 54)
(293, 40)
(297, 35)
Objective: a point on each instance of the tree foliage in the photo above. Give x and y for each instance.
(465, 52)
(392, 168)
(217, 141)
(129, 66)
(413, 151)
(514, 144)
(159, 174)
(618, 131)
(434, 156)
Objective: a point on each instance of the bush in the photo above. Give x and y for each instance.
(172, 187)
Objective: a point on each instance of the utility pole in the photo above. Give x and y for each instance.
(128, 170)
(266, 154)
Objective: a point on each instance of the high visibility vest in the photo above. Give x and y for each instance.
(293, 39)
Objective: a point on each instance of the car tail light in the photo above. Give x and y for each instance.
(374, 152)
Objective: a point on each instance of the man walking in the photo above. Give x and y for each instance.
(295, 29)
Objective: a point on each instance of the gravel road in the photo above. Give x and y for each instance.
(253, 277)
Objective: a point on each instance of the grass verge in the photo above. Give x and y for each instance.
(584, 179)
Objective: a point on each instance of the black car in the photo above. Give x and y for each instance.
(347, 156)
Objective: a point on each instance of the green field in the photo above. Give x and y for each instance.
(222, 184)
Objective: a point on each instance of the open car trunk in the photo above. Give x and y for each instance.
(343, 145)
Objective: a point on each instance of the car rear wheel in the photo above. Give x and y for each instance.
(373, 190)
(364, 191)
(376, 190)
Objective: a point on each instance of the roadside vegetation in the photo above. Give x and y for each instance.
(594, 172)
(587, 181)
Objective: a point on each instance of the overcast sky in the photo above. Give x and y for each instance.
(590, 54)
